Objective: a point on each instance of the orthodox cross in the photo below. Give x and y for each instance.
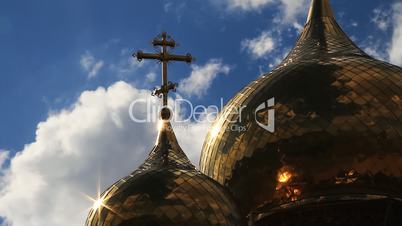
(164, 41)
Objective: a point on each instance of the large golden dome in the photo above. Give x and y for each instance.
(166, 190)
(338, 126)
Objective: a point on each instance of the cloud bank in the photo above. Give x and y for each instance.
(95, 139)
(389, 20)
(4, 155)
(395, 51)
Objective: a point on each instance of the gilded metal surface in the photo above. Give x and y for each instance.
(319, 9)
(338, 116)
(166, 190)
(338, 211)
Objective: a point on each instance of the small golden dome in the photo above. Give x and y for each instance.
(166, 190)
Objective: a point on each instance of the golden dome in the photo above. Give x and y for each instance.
(166, 190)
(338, 125)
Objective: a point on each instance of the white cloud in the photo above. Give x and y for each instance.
(278, 58)
(151, 77)
(201, 78)
(287, 20)
(126, 66)
(175, 7)
(167, 6)
(395, 51)
(374, 47)
(289, 9)
(90, 65)
(191, 137)
(259, 46)
(386, 19)
(94, 138)
(4, 155)
(382, 18)
(376, 52)
(298, 27)
(292, 9)
(248, 4)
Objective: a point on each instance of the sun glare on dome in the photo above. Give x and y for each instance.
(160, 125)
(215, 130)
(98, 203)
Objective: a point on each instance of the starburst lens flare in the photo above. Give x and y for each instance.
(98, 204)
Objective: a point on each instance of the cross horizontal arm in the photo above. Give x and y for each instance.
(157, 42)
(163, 57)
(140, 56)
(187, 58)
(164, 41)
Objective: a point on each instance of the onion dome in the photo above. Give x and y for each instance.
(325, 126)
(166, 190)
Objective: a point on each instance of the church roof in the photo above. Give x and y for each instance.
(322, 37)
(166, 190)
(167, 151)
(338, 127)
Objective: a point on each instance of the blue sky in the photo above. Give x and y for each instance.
(52, 51)
(41, 46)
